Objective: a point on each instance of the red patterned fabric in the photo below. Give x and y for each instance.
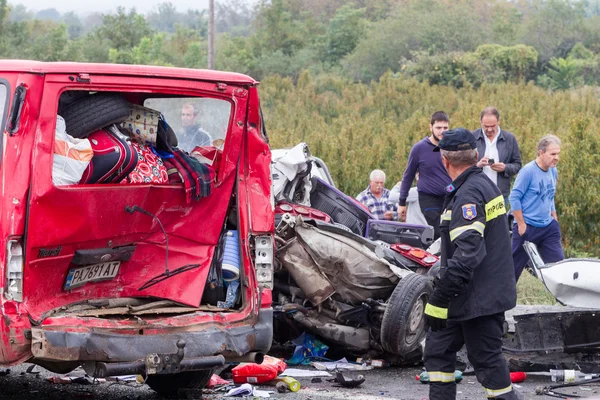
(149, 169)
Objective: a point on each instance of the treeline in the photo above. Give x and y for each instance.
(554, 43)
(358, 127)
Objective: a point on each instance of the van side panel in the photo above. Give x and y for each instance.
(16, 174)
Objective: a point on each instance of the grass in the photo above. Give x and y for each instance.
(531, 290)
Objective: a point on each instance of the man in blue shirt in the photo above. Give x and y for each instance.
(433, 177)
(377, 198)
(532, 204)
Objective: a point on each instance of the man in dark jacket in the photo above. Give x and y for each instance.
(432, 175)
(499, 153)
(476, 283)
(192, 134)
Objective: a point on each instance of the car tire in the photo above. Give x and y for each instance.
(168, 385)
(403, 323)
(91, 113)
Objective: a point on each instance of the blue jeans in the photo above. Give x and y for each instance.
(547, 240)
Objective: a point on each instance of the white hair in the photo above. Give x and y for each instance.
(375, 173)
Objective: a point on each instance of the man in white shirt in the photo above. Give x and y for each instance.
(498, 150)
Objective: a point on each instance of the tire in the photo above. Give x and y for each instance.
(94, 112)
(168, 385)
(403, 324)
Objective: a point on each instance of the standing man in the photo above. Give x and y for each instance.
(532, 204)
(433, 176)
(192, 134)
(377, 198)
(476, 283)
(499, 153)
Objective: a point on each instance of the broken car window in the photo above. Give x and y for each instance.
(197, 122)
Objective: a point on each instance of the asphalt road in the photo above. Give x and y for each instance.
(390, 383)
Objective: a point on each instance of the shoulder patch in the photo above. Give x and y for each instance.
(469, 211)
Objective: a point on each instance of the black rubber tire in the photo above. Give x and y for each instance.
(169, 385)
(95, 112)
(403, 324)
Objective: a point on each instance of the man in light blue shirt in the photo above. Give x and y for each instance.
(532, 204)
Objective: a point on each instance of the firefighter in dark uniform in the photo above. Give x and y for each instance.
(476, 283)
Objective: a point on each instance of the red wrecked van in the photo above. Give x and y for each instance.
(136, 220)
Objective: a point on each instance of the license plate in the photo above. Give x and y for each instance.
(92, 273)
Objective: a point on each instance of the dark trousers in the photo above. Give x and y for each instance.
(483, 338)
(431, 207)
(547, 240)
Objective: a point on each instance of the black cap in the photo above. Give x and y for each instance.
(457, 139)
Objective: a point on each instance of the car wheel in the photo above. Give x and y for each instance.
(403, 324)
(168, 385)
(94, 112)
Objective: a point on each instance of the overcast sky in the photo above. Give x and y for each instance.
(142, 6)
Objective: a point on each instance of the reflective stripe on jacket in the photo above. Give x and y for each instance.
(476, 258)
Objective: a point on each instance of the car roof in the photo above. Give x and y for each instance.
(38, 67)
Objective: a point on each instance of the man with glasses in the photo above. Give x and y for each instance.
(499, 153)
(377, 198)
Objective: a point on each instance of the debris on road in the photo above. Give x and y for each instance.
(340, 364)
(247, 389)
(303, 373)
(348, 382)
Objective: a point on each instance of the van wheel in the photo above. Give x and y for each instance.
(403, 324)
(94, 112)
(168, 385)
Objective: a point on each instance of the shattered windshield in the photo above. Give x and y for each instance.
(196, 121)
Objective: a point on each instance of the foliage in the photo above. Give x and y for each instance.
(513, 63)
(530, 290)
(343, 33)
(491, 63)
(469, 41)
(554, 26)
(564, 73)
(357, 127)
(455, 69)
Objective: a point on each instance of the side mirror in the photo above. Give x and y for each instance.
(17, 107)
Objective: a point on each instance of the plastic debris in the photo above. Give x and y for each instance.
(247, 390)
(349, 382)
(304, 373)
(307, 348)
(340, 364)
(287, 383)
(516, 377)
(270, 368)
(216, 380)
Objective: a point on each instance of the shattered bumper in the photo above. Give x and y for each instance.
(51, 345)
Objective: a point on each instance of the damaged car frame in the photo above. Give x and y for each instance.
(354, 281)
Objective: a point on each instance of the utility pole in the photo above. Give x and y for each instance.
(211, 34)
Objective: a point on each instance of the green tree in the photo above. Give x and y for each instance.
(74, 25)
(511, 63)
(506, 23)
(553, 27)
(164, 18)
(233, 17)
(19, 12)
(49, 41)
(196, 55)
(345, 30)
(123, 30)
(51, 14)
(564, 73)
(416, 26)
